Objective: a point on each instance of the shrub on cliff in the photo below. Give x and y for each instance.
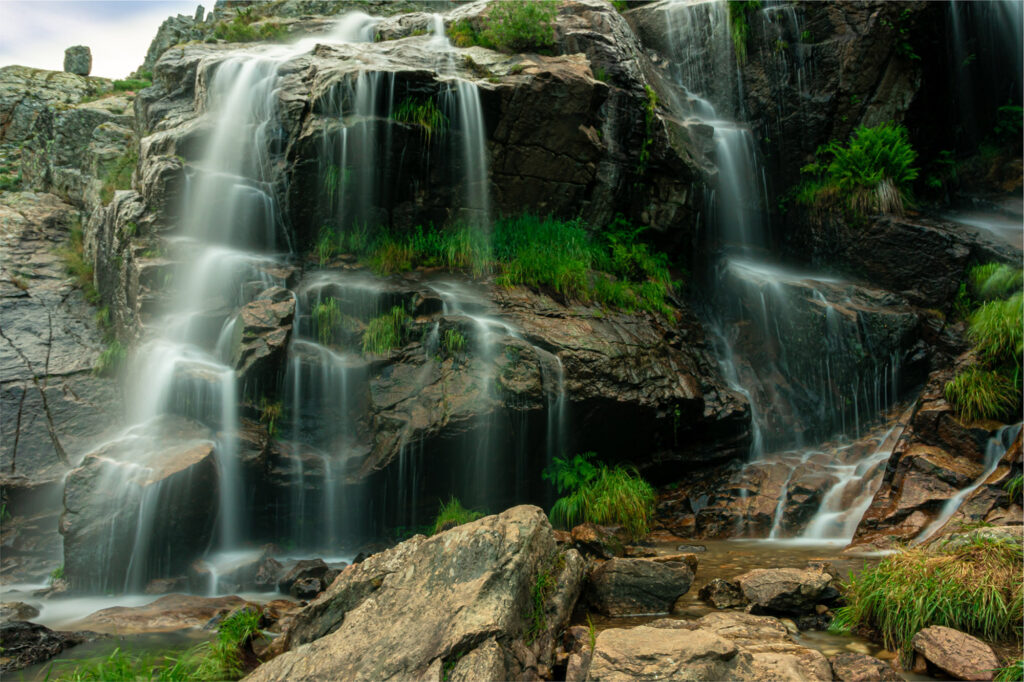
(974, 587)
(600, 494)
(511, 26)
(870, 173)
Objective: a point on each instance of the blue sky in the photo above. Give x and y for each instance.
(36, 32)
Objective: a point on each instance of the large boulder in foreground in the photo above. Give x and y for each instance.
(623, 587)
(955, 653)
(465, 595)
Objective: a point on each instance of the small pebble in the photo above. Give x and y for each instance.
(790, 625)
(859, 648)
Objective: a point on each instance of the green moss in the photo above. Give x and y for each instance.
(974, 588)
(738, 26)
(452, 514)
(131, 84)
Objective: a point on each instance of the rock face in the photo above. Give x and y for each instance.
(955, 653)
(787, 590)
(78, 60)
(594, 540)
(113, 535)
(428, 601)
(16, 610)
(622, 587)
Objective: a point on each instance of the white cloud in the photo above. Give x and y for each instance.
(118, 33)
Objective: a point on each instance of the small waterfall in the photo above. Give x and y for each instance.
(994, 451)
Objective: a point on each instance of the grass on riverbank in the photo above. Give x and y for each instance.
(975, 588)
(220, 659)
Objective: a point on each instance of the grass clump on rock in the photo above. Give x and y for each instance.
(974, 587)
(597, 493)
(386, 332)
(511, 26)
(870, 173)
(452, 514)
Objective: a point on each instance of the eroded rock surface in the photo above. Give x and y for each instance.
(622, 587)
(955, 653)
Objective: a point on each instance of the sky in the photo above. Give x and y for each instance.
(36, 32)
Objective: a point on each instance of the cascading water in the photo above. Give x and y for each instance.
(790, 342)
(994, 451)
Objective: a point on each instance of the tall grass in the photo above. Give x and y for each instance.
(600, 494)
(452, 514)
(386, 332)
(975, 588)
(982, 394)
(997, 329)
(425, 114)
(326, 318)
(520, 25)
(994, 280)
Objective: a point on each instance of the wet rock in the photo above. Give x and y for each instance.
(691, 549)
(17, 610)
(169, 464)
(723, 594)
(23, 644)
(594, 540)
(257, 571)
(166, 585)
(952, 541)
(621, 587)
(649, 653)
(862, 668)
(400, 611)
(485, 662)
(787, 590)
(278, 614)
(306, 588)
(78, 60)
(166, 614)
(304, 569)
(955, 653)
(262, 333)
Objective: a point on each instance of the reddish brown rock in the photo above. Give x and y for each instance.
(597, 541)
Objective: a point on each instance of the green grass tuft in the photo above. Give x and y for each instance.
(1014, 487)
(520, 25)
(453, 342)
(600, 494)
(77, 264)
(1014, 672)
(981, 394)
(119, 174)
(270, 414)
(424, 114)
(131, 84)
(452, 514)
(994, 280)
(974, 588)
(243, 29)
(997, 330)
(326, 318)
(110, 360)
(386, 332)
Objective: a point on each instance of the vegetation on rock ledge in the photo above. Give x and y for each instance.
(452, 514)
(600, 494)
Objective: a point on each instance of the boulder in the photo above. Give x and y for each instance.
(166, 614)
(23, 644)
(253, 571)
(648, 653)
(787, 590)
(621, 587)
(78, 60)
(594, 540)
(306, 588)
(955, 653)
(17, 610)
(723, 594)
(304, 569)
(430, 601)
(862, 668)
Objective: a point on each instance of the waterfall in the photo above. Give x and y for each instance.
(994, 451)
